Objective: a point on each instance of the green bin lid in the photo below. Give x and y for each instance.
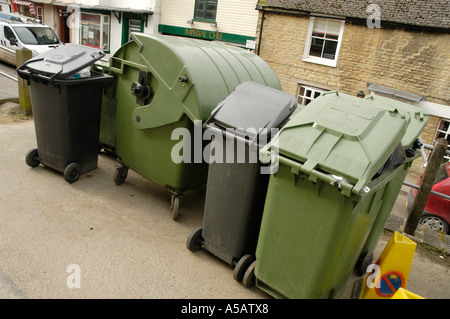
(342, 135)
(418, 117)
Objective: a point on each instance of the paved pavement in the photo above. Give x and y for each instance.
(94, 239)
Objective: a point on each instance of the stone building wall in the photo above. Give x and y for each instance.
(412, 61)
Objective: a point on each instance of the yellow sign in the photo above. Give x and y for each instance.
(391, 271)
(405, 294)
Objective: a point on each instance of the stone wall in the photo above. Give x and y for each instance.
(411, 61)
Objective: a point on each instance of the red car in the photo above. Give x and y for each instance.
(436, 214)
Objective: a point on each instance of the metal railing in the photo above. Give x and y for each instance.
(428, 147)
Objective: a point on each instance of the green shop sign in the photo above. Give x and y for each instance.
(206, 34)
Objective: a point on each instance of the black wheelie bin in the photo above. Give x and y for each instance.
(237, 183)
(66, 97)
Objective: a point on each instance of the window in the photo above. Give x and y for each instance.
(306, 94)
(8, 33)
(205, 10)
(443, 131)
(36, 35)
(134, 25)
(95, 30)
(40, 13)
(323, 41)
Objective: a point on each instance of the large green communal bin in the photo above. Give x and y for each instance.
(166, 83)
(410, 144)
(322, 202)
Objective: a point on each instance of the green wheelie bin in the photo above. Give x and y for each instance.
(165, 88)
(324, 198)
(410, 143)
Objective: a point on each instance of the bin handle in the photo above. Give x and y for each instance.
(237, 137)
(27, 74)
(24, 74)
(330, 92)
(314, 174)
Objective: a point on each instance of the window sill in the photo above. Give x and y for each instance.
(326, 62)
(202, 20)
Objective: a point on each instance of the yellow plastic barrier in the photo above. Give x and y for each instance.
(405, 294)
(391, 271)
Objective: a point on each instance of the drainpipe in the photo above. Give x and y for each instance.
(260, 30)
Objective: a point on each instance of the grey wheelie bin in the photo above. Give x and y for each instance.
(324, 198)
(166, 87)
(237, 182)
(66, 99)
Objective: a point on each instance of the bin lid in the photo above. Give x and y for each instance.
(64, 60)
(253, 108)
(418, 117)
(342, 135)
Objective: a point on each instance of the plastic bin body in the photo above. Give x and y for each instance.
(236, 188)
(323, 201)
(67, 121)
(108, 119)
(234, 203)
(187, 78)
(66, 108)
(416, 125)
(311, 236)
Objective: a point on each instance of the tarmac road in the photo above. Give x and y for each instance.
(120, 241)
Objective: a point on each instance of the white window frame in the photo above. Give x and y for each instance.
(105, 22)
(302, 98)
(40, 13)
(313, 59)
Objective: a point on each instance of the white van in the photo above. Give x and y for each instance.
(15, 35)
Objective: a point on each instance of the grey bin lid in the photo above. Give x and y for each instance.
(64, 60)
(252, 107)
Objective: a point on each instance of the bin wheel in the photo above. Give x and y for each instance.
(363, 263)
(120, 174)
(241, 267)
(32, 158)
(249, 276)
(195, 240)
(176, 205)
(72, 173)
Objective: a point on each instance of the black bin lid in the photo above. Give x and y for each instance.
(64, 60)
(253, 106)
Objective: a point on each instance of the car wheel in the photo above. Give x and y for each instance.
(434, 222)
